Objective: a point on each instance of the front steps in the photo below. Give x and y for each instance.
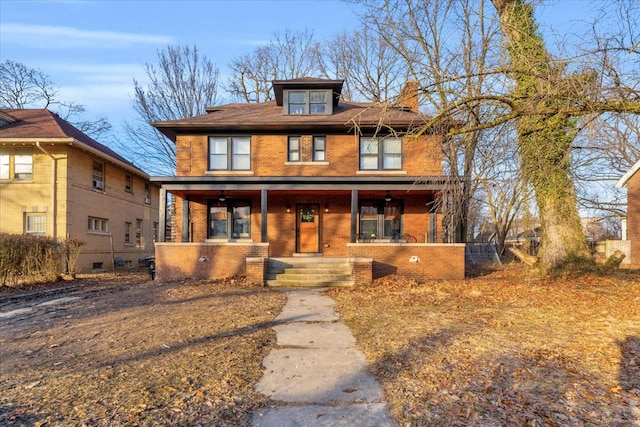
(309, 272)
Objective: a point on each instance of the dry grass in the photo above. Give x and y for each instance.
(133, 352)
(503, 349)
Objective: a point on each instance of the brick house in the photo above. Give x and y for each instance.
(56, 181)
(305, 179)
(631, 180)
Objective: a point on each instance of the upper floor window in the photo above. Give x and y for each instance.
(319, 149)
(98, 176)
(147, 193)
(138, 231)
(16, 166)
(35, 223)
(294, 149)
(229, 153)
(380, 153)
(307, 102)
(128, 183)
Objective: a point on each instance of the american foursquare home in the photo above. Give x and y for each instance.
(305, 190)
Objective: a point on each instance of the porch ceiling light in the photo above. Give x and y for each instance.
(221, 197)
(387, 197)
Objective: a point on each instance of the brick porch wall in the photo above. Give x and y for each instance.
(175, 261)
(436, 261)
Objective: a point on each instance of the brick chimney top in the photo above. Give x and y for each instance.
(408, 97)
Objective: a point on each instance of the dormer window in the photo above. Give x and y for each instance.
(308, 102)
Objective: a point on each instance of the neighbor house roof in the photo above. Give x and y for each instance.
(33, 125)
(627, 176)
(268, 116)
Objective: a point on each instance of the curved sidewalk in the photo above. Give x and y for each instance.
(316, 376)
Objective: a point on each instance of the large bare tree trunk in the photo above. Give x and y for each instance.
(545, 134)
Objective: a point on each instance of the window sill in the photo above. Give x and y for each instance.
(17, 181)
(99, 233)
(229, 172)
(380, 172)
(306, 163)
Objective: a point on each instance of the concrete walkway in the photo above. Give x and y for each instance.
(316, 377)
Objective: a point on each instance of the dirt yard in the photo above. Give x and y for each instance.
(124, 351)
(503, 349)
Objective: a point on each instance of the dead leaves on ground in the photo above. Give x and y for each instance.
(503, 349)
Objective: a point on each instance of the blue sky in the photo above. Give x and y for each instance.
(92, 50)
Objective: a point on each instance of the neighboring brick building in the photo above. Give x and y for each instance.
(58, 182)
(631, 180)
(306, 175)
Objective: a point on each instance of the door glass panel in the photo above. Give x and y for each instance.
(307, 214)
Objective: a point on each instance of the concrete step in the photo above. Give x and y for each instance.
(310, 283)
(308, 272)
(294, 275)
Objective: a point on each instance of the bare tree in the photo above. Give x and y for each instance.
(290, 55)
(182, 84)
(373, 69)
(24, 87)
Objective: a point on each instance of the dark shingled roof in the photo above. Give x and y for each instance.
(268, 116)
(44, 124)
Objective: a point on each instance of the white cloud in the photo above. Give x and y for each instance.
(59, 37)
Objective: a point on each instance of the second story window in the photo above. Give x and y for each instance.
(128, 183)
(380, 153)
(229, 153)
(147, 193)
(138, 231)
(98, 176)
(294, 149)
(319, 149)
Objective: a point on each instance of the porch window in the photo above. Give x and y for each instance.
(382, 220)
(230, 220)
(380, 153)
(229, 153)
(319, 149)
(294, 148)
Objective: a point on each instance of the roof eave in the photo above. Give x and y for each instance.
(627, 176)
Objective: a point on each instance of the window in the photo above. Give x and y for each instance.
(380, 154)
(294, 148)
(231, 220)
(306, 102)
(35, 224)
(155, 231)
(230, 153)
(127, 232)
(138, 231)
(319, 149)
(98, 176)
(128, 183)
(382, 220)
(97, 225)
(16, 166)
(147, 193)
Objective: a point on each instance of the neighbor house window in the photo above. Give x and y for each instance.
(35, 223)
(128, 183)
(230, 153)
(380, 153)
(232, 220)
(382, 220)
(319, 149)
(147, 193)
(127, 232)
(138, 231)
(294, 149)
(97, 224)
(16, 166)
(155, 231)
(98, 176)
(306, 102)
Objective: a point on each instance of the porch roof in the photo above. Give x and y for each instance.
(306, 183)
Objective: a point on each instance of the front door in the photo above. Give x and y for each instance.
(307, 227)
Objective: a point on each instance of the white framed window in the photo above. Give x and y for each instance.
(229, 153)
(380, 153)
(99, 225)
(98, 176)
(16, 166)
(35, 224)
(319, 149)
(147, 193)
(4, 166)
(294, 149)
(127, 232)
(308, 102)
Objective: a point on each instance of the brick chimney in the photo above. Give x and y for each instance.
(408, 97)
